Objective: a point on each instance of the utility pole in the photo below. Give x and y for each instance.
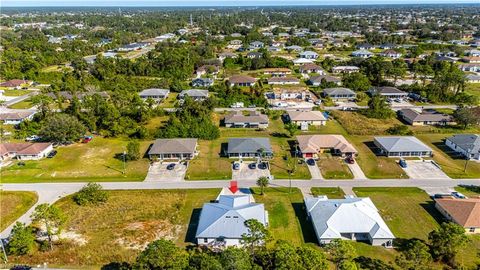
(467, 158)
(124, 154)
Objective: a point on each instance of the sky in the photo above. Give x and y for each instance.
(27, 3)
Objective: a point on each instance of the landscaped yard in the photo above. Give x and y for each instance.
(117, 230)
(332, 193)
(13, 204)
(452, 164)
(333, 167)
(94, 161)
(375, 167)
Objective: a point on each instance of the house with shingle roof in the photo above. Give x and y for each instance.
(195, 94)
(311, 68)
(362, 54)
(222, 223)
(15, 84)
(345, 69)
(315, 118)
(311, 145)
(237, 119)
(467, 145)
(388, 92)
(430, 117)
(339, 93)
(402, 146)
(464, 212)
(283, 81)
(317, 80)
(178, 148)
(25, 151)
(241, 80)
(15, 118)
(351, 218)
(249, 148)
(154, 93)
(309, 55)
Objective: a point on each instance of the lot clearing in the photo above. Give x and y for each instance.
(93, 161)
(424, 169)
(13, 204)
(117, 230)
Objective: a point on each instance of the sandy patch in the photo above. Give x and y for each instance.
(138, 235)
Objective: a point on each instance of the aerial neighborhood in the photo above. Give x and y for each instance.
(240, 137)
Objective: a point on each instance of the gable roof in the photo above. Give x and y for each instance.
(338, 91)
(306, 116)
(23, 148)
(331, 218)
(314, 143)
(402, 144)
(416, 116)
(249, 145)
(238, 117)
(14, 83)
(167, 146)
(20, 115)
(309, 66)
(465, 212)
(466, 142)
(386, 90)
(227, 217)
(194, 93)
(154, 92)
(241, 79)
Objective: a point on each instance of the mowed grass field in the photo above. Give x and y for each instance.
(411, 213)
(451, 163)
(333, 167)
(94, 161)
(331, 193)
(119, 229)
(13, 204)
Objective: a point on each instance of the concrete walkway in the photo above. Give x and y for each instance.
(349, 191)
(357, 171)
(51, 192)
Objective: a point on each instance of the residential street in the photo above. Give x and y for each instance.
(51, 192)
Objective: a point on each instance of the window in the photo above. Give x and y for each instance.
(205, 240)
(472, 230)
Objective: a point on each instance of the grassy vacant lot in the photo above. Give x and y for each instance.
(332, 193)
(373, 166)
(452, 164)
(209, 165)
(94, 161)
(15, 93)
(13, 204)
(287, 214)
(334, 167)
(169, 102)
(473, 89)
(26, 104)
(117, 230)
(358, 124)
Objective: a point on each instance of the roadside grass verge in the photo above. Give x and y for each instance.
(14, 204)
(93, 161)
(332, 193)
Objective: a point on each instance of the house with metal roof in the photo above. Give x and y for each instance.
(195, 94)
(179, 148)
(351, 218)
(222, 223)
(468, 145)
(237, 119)
(429, 117)
(388, 92)
(249, 148)
(402, 146)
(154, 93)
(464, 212)
(309, 55)
(339, 93)
(311, 145)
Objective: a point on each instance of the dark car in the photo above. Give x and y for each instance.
(402, 163)
(171, 166)
(252, 166)
(262, 166)
(236, 166)
(311, 162)
(21, 267)
(350, 160)
(52, 154)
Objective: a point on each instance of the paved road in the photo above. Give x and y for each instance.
(51, 192)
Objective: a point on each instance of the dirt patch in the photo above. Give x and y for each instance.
(138, 235)
(74, 237)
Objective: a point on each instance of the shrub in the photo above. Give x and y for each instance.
(399, 130)
(92, 193)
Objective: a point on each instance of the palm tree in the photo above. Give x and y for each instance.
(262, 182)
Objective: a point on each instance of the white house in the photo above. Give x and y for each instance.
(222, 223)
(362, 54)
(25, 151)
(309, 55)
(468, 145)
(15, 118)
(349, 219)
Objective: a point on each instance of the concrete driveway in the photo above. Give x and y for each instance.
(245, 173)
(356, 171)
(424, 169)
(315, 171)
(158, 171)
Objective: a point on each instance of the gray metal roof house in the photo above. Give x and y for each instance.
(388, 92)
(195, 94)
(402, 146)
(154, 93)
(467, 145)
(249, 147)
(222, 223)
(181, 148)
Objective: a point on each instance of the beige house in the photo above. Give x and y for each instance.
(238, 120)
(180, 149)
(465, 212)
(315, 118)
(25, 151)
(311, 145)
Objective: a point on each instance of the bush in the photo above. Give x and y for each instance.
(133, 150)
(399, 130)
(92, 193)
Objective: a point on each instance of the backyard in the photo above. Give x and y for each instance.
(13, 204)
(93, 161)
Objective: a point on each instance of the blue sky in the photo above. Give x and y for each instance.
(27, 3)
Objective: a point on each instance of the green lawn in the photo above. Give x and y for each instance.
(26, 104)
(94, 161)
(209, 165)
(117, 230)
(452, 164)
(469, 191)
(15, 93)
(332, 193)
(287, 214)
(170, 101)
(374, 167)
(13, 204)
(473, 89)
(357, 124)
(333, 167)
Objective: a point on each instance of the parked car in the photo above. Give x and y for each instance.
(52, 154)
(402, 163)
(311, 162)
(171, 166)
(350, 160)
(458, 195)
(236, 166)
(252, 166)
(262, 166)
(32, 138)
(87, 139)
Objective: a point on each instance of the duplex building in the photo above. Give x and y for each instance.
(179, 149)
(416, 118)
(249, 148)
(345, 69)
(311, 145)
(351, 218)
(302, 118)
(402, 146)
(339, 93)
(25, 151)
(237, 119)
